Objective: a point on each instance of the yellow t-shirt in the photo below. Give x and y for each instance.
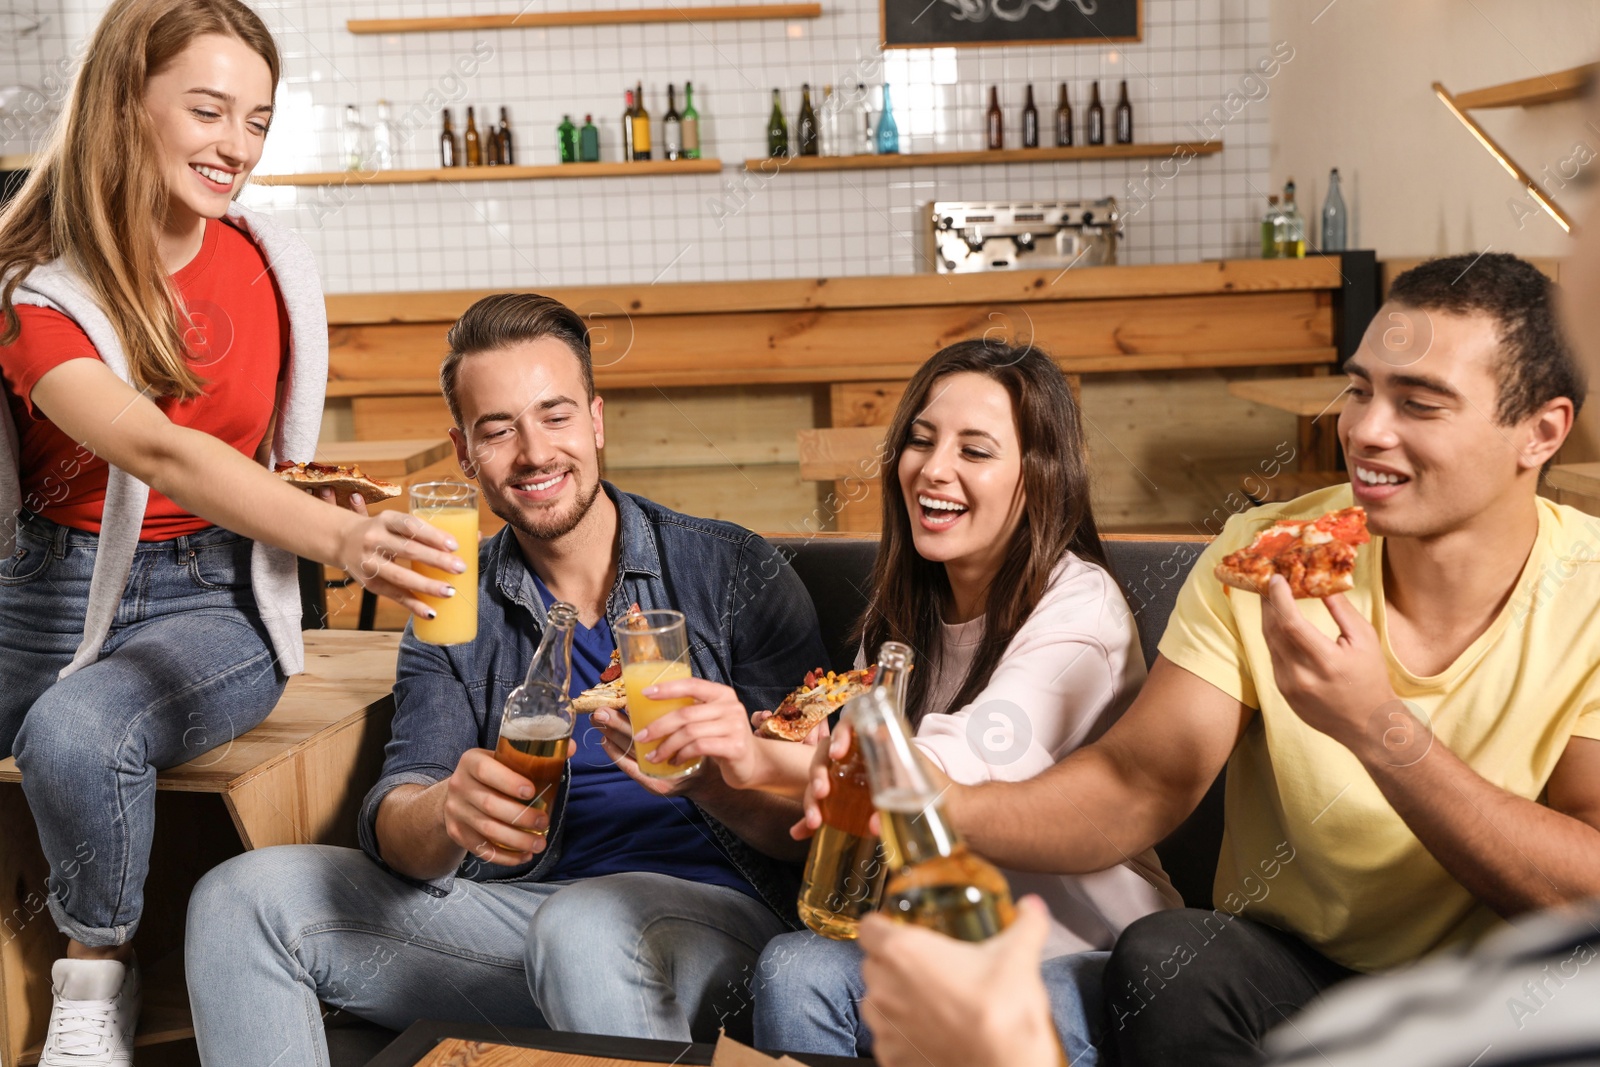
(1311, 846)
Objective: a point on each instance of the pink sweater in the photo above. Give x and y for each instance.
(1068, 674)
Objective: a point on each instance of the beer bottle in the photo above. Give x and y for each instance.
(1124, 117)
(934, 881)
(449, 149)
(567, 140)
(491, 144)
(1030, 122)
(589, 141)
(474, 146)
(1063, 120)
(845, 868)
(627, 128)
(672, 129)
(641, 124)
(994, 121)
(508, 155)
(806, 124)
(1097, 117)
(777, 128)
(691, 124)
(537, 720)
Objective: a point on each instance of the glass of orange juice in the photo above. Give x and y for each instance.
(655, 648)
(453, 508)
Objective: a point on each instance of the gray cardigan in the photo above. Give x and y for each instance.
(299, 421)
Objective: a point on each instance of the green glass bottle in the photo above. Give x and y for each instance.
(589, 141)
(777, 129)
(691, 124)
(567, 139)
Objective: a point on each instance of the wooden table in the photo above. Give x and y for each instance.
(406, 463)
(433, 1044)
(1313, 398)
(299, 777)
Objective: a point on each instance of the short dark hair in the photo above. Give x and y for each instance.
(1536, 364)
(506, 319)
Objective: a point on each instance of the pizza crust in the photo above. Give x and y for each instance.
(822, 693)
(315, 477)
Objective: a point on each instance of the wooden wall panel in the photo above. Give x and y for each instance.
(768, 498)
(699, 427)
(400, 418)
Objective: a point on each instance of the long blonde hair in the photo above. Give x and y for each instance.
(96, 195)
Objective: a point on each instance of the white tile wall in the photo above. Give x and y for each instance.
(714, 227)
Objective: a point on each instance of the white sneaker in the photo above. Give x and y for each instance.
(93, 1017)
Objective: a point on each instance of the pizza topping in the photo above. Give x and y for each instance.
(1317, 558)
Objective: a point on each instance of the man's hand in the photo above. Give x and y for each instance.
(487, 811)
(616, 739)
(1340, 687)
(933, 1000)
(836, 747)
(716, 726)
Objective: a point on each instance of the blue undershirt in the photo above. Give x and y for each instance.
(612, 825)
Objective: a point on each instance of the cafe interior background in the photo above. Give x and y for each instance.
(1286, 90)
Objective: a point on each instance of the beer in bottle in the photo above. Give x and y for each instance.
(777, 129)
(1124, 117)
(672, 128)
(691, 124)
(567, 140)
(536, 722)
(641, 124)
(934, 881)
(806, 124)
(845, 868)
(888, 129)
(1097, 117)
(627, 128)
(508, 154)
(995, 121)
(474, 146)
(449, 148)
(589, 141)
(491, 142)
(1063, 120)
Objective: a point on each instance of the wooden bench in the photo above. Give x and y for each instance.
(299, 777)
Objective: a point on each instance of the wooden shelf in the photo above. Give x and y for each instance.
(494, 174)
(1004, 155)
(532, 19)
(1544, 89)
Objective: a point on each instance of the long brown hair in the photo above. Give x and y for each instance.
(96, 194)
(909, 592)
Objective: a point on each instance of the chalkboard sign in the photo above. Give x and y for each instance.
(921, 23)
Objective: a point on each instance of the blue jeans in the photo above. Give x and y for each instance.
(273, 932)
(809, 999)
(186, 668)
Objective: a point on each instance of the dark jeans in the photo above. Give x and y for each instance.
(1202, 988)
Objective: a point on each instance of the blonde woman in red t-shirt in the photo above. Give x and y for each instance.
(160, 348)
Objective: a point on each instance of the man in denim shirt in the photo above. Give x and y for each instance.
(640, 906)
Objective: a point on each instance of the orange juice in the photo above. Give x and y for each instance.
(642, 711)
(457, 620)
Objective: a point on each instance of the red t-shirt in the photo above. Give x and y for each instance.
(238, 344)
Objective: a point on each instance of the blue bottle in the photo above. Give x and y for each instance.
(888, 132)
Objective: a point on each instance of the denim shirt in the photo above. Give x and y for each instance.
(751, 625)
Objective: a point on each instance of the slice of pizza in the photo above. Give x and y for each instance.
(343, 480)
(609, 693)
(821, 694)
(1317, 558)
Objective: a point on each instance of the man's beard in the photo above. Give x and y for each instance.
(544, 524)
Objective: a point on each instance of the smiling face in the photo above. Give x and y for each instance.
(1426, 453)
(531, 434)
(961, 472)
(210, 108)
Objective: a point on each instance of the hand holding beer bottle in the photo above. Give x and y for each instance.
(536, 724)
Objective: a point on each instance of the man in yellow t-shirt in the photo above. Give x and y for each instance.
(1407, 764)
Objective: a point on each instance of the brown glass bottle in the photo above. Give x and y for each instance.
(806, 123)
(1097, 118)
(1063, 120)
(491, 143)
(508, 155)
(1124, 123)
(474, 146)
(449, 149)
(994, 122)
(1030, 122)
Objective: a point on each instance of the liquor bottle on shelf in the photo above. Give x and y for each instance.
(1030, 122)
(994, 122)
(1272, 230)
(383, 139)
(828, 131)
(1293, 243)
(862, 143)
(627, 128)
(888, 130)
(672, 128)
(691, 124)
(641, 124)
(1335, 218)
(1096, 130)
(474, 145)
(491, 141)
(351, 140)
(845, 869)
(806, 123)
(449, 147)
(934, 880)
(508, 152)
(1124, 117)
(777, 128)
(567, 140)
(589, 141)
(1063, 120)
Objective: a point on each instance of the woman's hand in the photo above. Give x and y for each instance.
(375, 550)
(826, 747)
(355, 502)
